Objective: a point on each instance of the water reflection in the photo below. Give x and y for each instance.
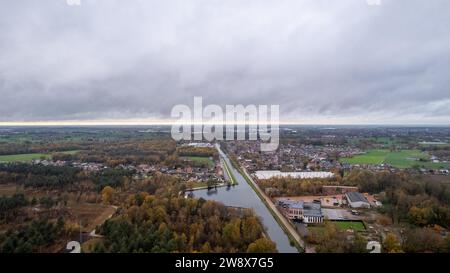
(242, 195)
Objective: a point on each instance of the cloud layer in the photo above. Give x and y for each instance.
(322, 61)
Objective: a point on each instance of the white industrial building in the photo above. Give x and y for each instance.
(301, 175)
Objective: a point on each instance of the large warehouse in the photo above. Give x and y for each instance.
(301, 175)
(357, 200)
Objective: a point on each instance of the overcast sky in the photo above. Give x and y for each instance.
(322, 61)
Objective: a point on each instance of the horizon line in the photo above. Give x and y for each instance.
(90, 123)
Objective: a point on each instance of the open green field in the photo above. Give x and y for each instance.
(406, 158)
(399, 159)
(22, 157)
(371, 157)
(28, 157)
(355, 225)
(344, 225)
(201, 160)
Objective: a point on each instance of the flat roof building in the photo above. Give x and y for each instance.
(307, 212)
(357, 200)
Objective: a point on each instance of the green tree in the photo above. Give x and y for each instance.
(231, 232)
(251, 230)
(420, 216)
(358, 245)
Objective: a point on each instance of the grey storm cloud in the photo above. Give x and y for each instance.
(320, 60)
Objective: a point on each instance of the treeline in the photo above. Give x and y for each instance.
(442, 153)
(38, 176)
(124, 152)
(58, 177)
(181, 225)
(332, 239)
(406, 197)
(158, 219)
(288, 186)
(417, 240)
(36, 236)
(111, 177)
(28, 147)
(197, 151)
(11, 206)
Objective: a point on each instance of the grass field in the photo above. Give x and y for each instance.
(22, 157)
(201, 160)
(399, 159)
(406, 158)
(355, 225)
(344, 225)
(28, 157)
(371, 157)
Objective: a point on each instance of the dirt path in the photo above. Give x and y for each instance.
(107, 214)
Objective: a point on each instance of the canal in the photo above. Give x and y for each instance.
(242, 195)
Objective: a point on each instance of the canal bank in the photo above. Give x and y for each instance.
(231, 177)
(288, 228)
(243, 195)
